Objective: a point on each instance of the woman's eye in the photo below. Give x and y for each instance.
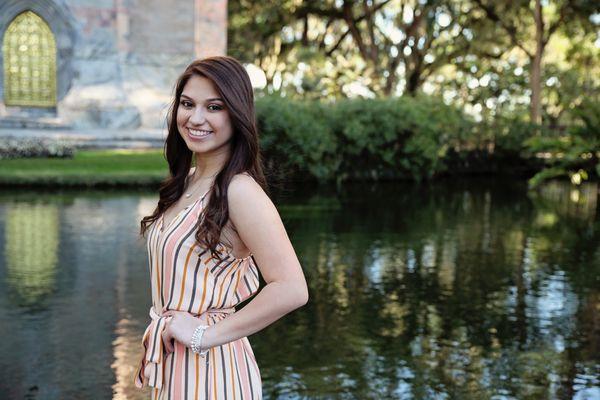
(214, 107)
(186, 104)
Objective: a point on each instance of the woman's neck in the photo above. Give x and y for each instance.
(208, 166)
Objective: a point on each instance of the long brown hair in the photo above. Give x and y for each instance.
(233, 84)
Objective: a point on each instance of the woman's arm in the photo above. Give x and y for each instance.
(260, 227)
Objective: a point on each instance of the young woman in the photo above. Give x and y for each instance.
(213, 230)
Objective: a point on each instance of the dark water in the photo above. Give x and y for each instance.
(460, 290)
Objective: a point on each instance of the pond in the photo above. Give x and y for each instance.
(468, 289)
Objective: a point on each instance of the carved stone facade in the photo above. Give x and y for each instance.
(116, 60)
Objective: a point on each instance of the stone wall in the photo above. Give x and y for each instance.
(124, 55)
(160, 44)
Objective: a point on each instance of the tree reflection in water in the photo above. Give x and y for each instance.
(459, 289)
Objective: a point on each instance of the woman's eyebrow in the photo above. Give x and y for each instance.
(211, 99)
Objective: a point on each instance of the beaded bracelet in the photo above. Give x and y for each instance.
(196, 342)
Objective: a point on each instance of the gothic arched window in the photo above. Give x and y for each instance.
(29, 52)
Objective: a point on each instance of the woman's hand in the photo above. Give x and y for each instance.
(181, 327)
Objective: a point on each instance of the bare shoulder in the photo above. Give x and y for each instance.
(249, 205)
(243, 188)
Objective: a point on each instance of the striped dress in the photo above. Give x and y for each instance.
(184, 277)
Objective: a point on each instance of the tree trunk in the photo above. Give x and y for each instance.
(413, 83)
(535, 76)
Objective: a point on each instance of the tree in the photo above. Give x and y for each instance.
(383, 44)
(529, 25)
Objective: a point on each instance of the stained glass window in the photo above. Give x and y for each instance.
(29, 62)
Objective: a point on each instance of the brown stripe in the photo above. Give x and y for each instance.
(218, 265)
(197, 382)
(224, 369)
(237, 369)
(163, 252)
(193, 296)
(228, 287)
(174, 264)
(221, 287)
(187, 362)
(170, 386)
(187, 260)
(232, 370)
(155, 339)
(249, 374)
(203, 291)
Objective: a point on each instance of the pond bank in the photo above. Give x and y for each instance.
(88, 168)
(145, 168)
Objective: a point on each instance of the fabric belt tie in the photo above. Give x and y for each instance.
(154, 348)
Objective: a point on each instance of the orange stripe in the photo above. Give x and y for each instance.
(185, 268)
(222, 283)
(237, 282)
(157, 281)
(203, 291)
(232, 373)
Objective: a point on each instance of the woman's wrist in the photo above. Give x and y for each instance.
(201, 338)
(207, 339)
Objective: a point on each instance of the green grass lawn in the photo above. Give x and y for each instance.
(87, 168)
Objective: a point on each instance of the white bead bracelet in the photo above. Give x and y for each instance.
(196, 342)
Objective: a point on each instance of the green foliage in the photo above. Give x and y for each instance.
(360, 139)
(575, 152)
(296, 137)
(418, 138)
(510, 134)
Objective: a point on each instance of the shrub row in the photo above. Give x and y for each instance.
(11, 147)
(360, 139)
(416, 138)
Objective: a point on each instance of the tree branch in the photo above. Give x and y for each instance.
(554, 26)
(510, 29)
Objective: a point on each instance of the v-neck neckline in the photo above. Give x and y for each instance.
(162, 227)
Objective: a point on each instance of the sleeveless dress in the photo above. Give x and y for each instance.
(184, 277)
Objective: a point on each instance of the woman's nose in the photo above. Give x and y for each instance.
(197, 116)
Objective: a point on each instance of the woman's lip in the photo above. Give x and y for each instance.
(193, 137)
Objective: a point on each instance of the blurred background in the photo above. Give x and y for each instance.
(435, 164)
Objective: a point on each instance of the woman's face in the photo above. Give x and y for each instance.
(202, 119)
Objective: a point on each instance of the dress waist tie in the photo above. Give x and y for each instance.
(154, 348)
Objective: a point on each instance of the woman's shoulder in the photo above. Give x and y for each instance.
(243, 188)
(242, 182)
(247, 201)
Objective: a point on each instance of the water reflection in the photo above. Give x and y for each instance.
(458, 290)
(31, 242)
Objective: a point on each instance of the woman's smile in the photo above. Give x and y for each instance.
(199, 133)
